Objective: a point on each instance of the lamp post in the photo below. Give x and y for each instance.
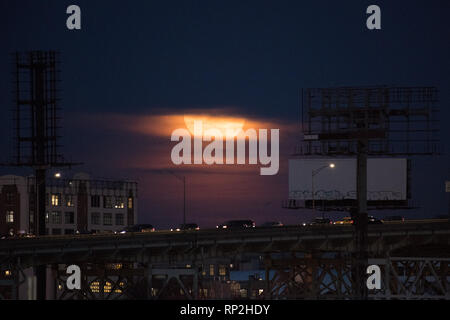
(313, 174)
(182, 179)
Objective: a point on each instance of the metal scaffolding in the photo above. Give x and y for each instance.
(363, 121)
(36, 127)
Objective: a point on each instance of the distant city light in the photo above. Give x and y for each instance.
(57, 175)
(331, 165)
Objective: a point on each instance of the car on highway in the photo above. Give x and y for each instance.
(350, 220)
(321, 221)
(237, 224)
(394, 219)
(373, 220)
(272, 224)
(344, 221)
(6, 236)
(18, 234)
(84, 231)
(187, 227)
(138, 228)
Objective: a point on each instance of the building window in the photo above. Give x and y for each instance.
(107, 287)
(119, 219)
(69, 200)
(56, 231)
(222, 270)
(95, 218)
(69, 218)
(211, 269)
(9, 197)
(119, 203)
(9, 216)
(95, 286)
(56, 217)
(56, 199)
(107, 219)
(202, 268)
(95, 201)
(130, 202)
(107, 201)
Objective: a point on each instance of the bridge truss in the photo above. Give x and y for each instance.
(296, 263)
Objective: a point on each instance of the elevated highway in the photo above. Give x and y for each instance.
(420, 238)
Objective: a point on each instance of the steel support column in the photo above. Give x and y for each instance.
(360, 219)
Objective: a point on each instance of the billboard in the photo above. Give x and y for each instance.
(387, 179)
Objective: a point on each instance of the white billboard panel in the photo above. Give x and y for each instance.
(386, 179)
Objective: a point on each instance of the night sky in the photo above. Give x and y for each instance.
(136, 67)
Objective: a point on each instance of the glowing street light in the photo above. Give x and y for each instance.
(313, 174)
(57, 175)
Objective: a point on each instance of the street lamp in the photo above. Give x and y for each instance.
(313, 174)
(182, 179)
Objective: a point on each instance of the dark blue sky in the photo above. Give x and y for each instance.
(136, 57)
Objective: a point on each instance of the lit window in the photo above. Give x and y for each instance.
(222, 270)
(9, 216)
(130, 203)
(121, 285)
(211, 269)
(56, 199)
(203, 270)
(69, 200)
(119, 203)
(107, 287)
(95, 286)
(115, 266)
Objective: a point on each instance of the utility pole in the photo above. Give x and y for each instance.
(182, 179)
(313, 174)
(360, 254)
(184, 201)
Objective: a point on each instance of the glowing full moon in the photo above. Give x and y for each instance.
(227, 125)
